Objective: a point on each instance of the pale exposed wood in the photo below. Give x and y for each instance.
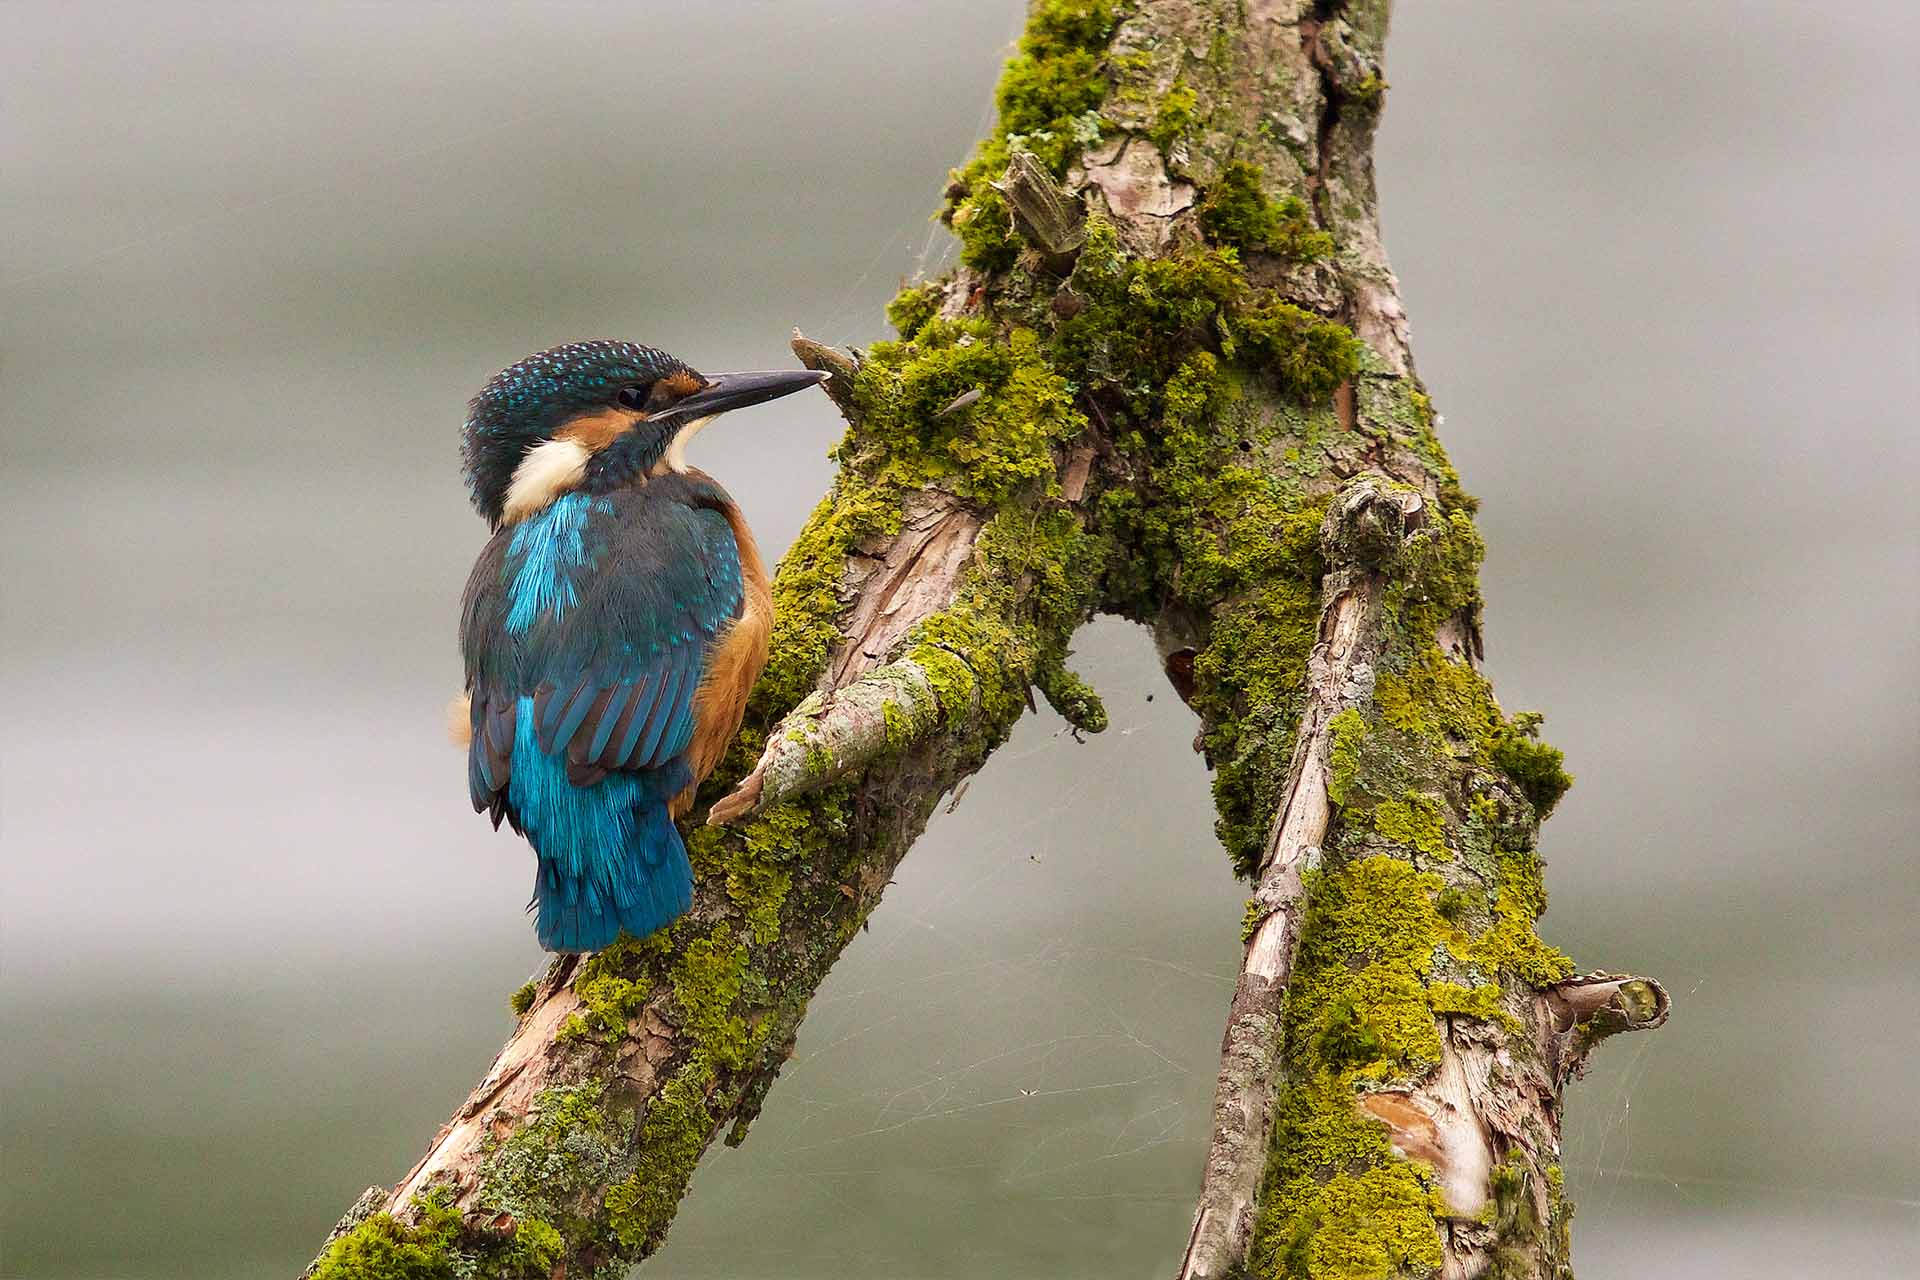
(909, 581)
(519, 1071)
(1045, 216)
(1339, 674)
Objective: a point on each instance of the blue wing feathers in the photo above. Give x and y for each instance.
(670, 706)
(634, 722)
(576, 713)
(586, 630)
(609, 718)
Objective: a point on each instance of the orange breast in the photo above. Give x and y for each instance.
(733, 664)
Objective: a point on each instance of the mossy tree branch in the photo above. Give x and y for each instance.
(1169, 380)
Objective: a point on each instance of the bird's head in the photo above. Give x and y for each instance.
(595, 415)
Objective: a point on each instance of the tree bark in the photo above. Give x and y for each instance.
(1170, 380)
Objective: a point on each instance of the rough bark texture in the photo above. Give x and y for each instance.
(1170, 380)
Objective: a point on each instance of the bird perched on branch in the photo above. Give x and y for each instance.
(612, 627)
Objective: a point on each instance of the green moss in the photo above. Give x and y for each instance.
(533, 1250)
(912, 307)
(1102, 259)
(384, 1248)
(1042, 96)
(1514, 1213)
(531, 1185)
(1048, 99)
(1236, 211)
(1249, 679)
(1417, 821)
(1144, 317)
(1055, 77)
(672, 1136)
(1219, 530)
(1251, 919)
(1033, 579)
(1537, 769)
(1174, 117)
(438, 1247)
(1003, 443)
(985, 227)
(806, 600)
(1073, 698)
(522, 998)
(1308, 355)
(1366, 93)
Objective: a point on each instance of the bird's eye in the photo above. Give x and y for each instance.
(634, 397)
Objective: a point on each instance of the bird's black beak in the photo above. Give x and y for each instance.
(726, 391)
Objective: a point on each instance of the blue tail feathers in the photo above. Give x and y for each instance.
(610, 858)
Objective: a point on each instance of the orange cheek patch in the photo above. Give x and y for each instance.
(595, 431)
(681, 383)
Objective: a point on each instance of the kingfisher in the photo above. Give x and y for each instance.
(613, 625)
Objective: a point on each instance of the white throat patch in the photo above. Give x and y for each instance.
(551, 468)
(676, 457)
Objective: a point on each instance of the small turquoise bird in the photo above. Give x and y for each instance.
(612, 627)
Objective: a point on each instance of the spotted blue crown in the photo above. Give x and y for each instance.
(527, 402)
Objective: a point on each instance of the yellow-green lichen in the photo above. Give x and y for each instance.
(672, 1136)
(1251, 918)
(755, 866)
(1345, 732)
(1510, 944)
(707, 978)
(1337, 1203)
(1362, 1012)
(612, 988)
(1366, 948)
(1447, 703)
(1481, 1001)
(1417, 821)
(522, 998)
(1366, 93)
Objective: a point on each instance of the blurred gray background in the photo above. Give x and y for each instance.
(254, 947)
